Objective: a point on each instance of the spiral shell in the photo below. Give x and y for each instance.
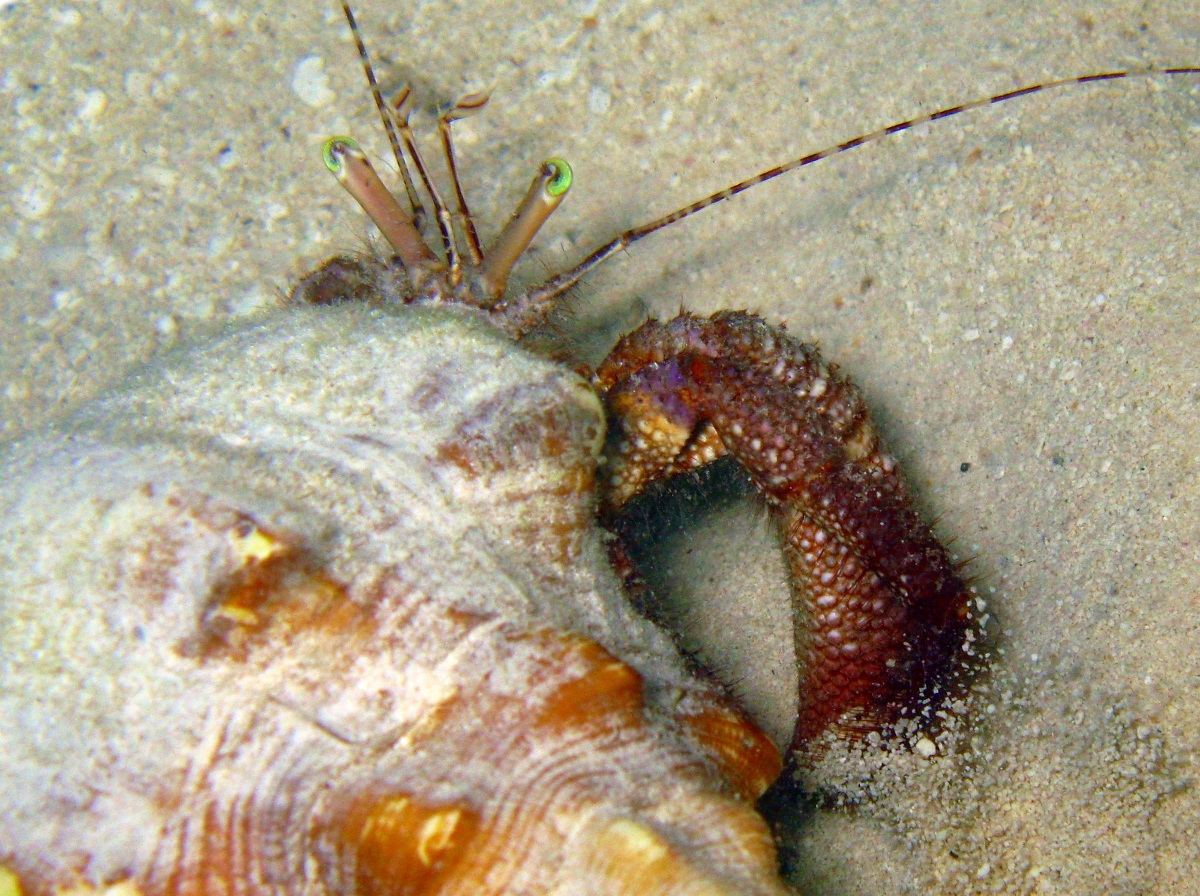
(319, 604)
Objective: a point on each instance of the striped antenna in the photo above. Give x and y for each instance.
(414, 200)
(525, 311)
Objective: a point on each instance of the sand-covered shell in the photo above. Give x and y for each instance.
(318, 605)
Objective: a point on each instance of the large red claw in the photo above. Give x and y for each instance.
(881, 612)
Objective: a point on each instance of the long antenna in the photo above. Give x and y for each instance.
(414, 200)
(523, 312)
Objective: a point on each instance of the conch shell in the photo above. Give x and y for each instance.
(320, 605)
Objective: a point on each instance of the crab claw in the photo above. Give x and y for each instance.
(881, 612)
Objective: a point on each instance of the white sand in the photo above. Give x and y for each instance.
(1016, 291)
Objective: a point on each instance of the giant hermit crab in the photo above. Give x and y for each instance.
(337, 615)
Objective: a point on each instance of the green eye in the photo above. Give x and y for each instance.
(333, 150)
(562, 179)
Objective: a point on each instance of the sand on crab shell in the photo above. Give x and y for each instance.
(1016, 293)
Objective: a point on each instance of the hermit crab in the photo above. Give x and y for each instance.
(324, 604)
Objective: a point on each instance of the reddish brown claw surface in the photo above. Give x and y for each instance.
(881, 614)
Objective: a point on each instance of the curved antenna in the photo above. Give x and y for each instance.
(524, 312)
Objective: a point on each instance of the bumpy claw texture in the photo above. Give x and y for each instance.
(320, 606)
(881, 611)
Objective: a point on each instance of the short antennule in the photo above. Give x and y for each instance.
(463, 106)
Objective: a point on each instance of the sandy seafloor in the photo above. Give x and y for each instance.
(1016, 290)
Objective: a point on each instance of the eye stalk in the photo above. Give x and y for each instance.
(548, 189)
(349, 164)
